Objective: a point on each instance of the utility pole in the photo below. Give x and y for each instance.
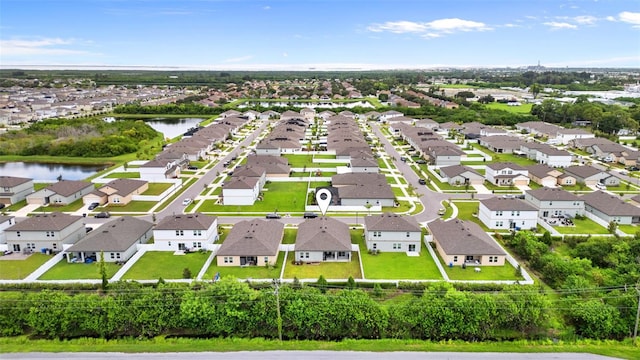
(276, 292)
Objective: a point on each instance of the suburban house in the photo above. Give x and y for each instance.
(502, 144)
(14, 189)
(566, 179)
(441, 152)
(544, 174)
(546, 154)
(507, 174)
(552, 202)
(159, 169)
(116, 192)
(591, 176)
(251, 243)
(392, 233)
(45, 231)
(610, 208)
(364, 164)
(5, 222)
(363, 189)
(323, 239)
(185, 231)
(553, 132)
(63, 192)
(241, 190)
(117, 240)
(464, 242)
(507, 213)
(274, 166)
(460, 175)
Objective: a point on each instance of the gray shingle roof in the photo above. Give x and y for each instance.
(455, 170)
(194, 221)
(582, 171)
(125, 186)
(241, 183)
(253, 238)
(505, 165)
(609, 204)
(458, 237)
(391, 222)
(550, 194)
(11, 181)
(68, 187)
(115, 235)
(506, 204)
(323, 234)
(54, 221)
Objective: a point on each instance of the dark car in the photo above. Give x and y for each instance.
(422, 182)
(93, 206)
(310, 215)
(102, 215)
(2, 206)
(88, 228)
(421, 161)
(273, 216)
(191, 167)
(633, 168)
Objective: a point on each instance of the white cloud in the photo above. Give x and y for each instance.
(430, 30)
(266, 7)
(512, 25)
(239, 59)
(559, 25)
(585, 19)
(630, 17)
(41, 46)
(611, 18)
(284, 54)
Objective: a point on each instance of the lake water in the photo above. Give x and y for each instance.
(171, 128)
(49, 172)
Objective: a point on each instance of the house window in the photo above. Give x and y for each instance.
(306, 255)
(199, 244)
(197, 232)
(498, 213)
(179, 232)
(512, 213)
(517, 213)
(194, 244)
(55, 246)
(455, 258)
(266, 259)
(116, 200)
(375, 246)
(117, 255)
(408, 234)
(342, 254)
(498, 223)
(18, 233)
(169, 243)
(112, 255)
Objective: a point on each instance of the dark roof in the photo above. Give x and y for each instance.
(550, 194)
(68, 187)
(582, 171)
(506, 204)
(253, 238)
(391, 222)
(194, 221)
(11, 181)
(323, 234)
(54, 221)
(125, 186)
(455, 170)
(540, 170)
(458, 237)
(609, 204)
(115, 235)
(505, 165)
(241, 183)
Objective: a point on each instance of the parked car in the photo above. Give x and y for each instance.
(402, 158)
(93, 205)
(633, 168)
(102, 215)
(88, 228)
(421, 161)
(273, 216)
(186, 201)
(191, 167)
(601, 186)
(422, 181)
(310, 215)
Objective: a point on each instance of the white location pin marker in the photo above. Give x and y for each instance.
(323, 198)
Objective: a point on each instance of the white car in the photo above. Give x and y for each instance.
(601, 186)
(186, 201)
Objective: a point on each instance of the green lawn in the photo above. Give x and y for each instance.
(466, 210)
(280, 197)
(64, 270)
(491, 186)
(289, 236)
(520, 160)
(17, 206)
(248, 272)
(397, 265)
(123, 175)
(74, 206)
(300, 161)
(522, 109)
(330, 270)
(134, 206)
(629, 229)
(157, 188)
(506, 272)
(163, 264)
(582, 226)
(19, 269)
(397, 191)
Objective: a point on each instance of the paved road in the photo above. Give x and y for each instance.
(309, 355)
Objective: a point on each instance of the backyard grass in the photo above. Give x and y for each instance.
(495, 157)
(39, 186)
(74, 206)
(157, 188)
(491, 186)
(134, 206)
(397, 191)
(505, 272)
(628, 229)
(306, 160)
(163, 264)
(278, 197)
(289, 236)
(330, 270)
(19, 269)
(123, 175)
(466, 209)
(248, 272)
(582, 226)
(17, 206)
(64, 270)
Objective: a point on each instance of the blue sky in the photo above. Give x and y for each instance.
(328, 34)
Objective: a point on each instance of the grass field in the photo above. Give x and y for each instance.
(330, 270)
(123, 175)
(157, 188)
(163, 264)
(134, 206)
(19, 269)
(306, 160)
(64, 270)
(74, 206)
(248, 272)
(522, 109)
(397, 265)
(582, 226)
(506, 272)
(280, 197)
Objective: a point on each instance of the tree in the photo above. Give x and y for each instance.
(535, 89)
(186, 273)
(351, 283)
(613, 226)
(103, 272)
(322, 284)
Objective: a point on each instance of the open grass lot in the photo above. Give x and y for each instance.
(157, 188)
(74, 206)
(582, 226)
(624, 187)
(289, 236)
(506, 272)
(330, 270)
(520, 160)
(618, 349)
(300, 161)
(19, 269)
(248, 272)
(629, 229)
(521, 109)
(64, 270)
(397, 265)
(283, 197)
(491, 186)
(134, 206)
(123, 175)
(163, 264)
